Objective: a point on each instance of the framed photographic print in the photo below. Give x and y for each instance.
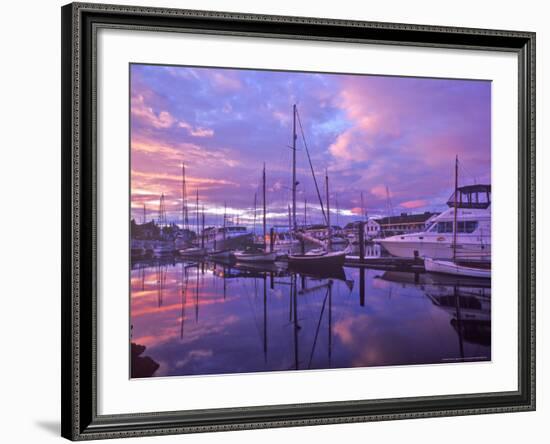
(280, 221)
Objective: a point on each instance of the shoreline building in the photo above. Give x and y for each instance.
(390, 225)
(405, 223)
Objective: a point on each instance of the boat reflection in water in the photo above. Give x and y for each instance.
(198, 318)
(467, 302)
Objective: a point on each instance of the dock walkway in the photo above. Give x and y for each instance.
(386, 263)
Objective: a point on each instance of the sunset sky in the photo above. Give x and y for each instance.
(369, 132)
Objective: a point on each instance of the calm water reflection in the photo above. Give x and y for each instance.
(206, 318)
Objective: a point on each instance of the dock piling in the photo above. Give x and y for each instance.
(361, 240)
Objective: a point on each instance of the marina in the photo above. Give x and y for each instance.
(456, 241)
(317, 249)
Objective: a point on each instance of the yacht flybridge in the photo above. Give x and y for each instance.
(473, 233)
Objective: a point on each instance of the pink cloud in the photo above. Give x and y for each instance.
(342, 147)
(411, 204)
(148, 186)
(379, 191)
(191, 152)
(140, 110)
(198, 131)
(163, 120)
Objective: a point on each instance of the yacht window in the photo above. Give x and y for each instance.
(468, 226)
(445, 227)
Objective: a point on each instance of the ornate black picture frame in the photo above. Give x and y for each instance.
(80, 419)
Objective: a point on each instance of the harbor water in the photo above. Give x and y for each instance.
(199, 318)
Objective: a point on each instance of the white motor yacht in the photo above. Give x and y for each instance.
(473, 237)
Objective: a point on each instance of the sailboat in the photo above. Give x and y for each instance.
(459, 266)
(197, 250)
(322, 257)
(219, 240)
(183, 238)
(253, 253)
(164, 245)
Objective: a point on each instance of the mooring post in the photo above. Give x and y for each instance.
(361, 241)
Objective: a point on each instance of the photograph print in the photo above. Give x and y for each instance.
(290, 221)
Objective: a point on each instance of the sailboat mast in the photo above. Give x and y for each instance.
(162, 212)
(362, 207)
(329, 228)
(224, 220)
(202, 233)
(255, 204)
(455, 210)
(197, 211)
(294, 167)
(264, 204)
(289, 220)
(182, 195)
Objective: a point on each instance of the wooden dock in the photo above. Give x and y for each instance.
(386, 263)
(381, 263)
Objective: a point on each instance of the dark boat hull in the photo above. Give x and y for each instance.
(316, 264)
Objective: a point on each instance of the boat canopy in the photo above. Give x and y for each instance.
(471, 196)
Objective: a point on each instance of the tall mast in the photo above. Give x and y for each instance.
(264, 204)
(255, 202)
(389, 204)
(362, 207)
(305, 213)
(297, 115)
(224, 219)
(455, 210)
(184, 218)
(289, 220)
(144, 214)
(197, 212)
(162, 212)
(329, 228)
(294, 166)
(202, 232)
